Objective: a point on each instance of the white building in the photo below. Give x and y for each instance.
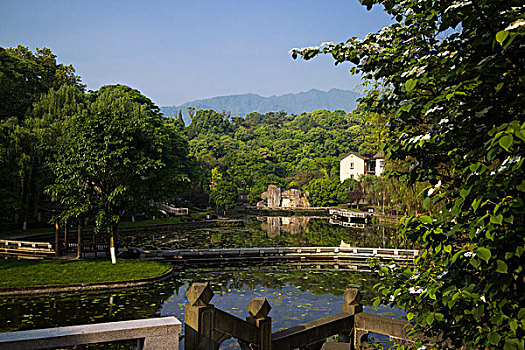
(353, 165)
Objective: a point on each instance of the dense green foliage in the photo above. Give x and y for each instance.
(276, 148)
(25, 75)
(117, 155)
(454, 77)
(96, 155)
(24, 140)
(23, 273)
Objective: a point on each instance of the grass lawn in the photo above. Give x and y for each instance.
(26, 273)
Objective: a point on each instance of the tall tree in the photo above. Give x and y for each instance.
(118, 153)
(455, 78)
(25, 75)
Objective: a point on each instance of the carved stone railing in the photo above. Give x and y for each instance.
(207, 327)
(151, 334)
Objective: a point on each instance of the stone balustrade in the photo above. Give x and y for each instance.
(151, 334)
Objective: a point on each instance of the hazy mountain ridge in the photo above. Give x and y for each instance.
(291, 103)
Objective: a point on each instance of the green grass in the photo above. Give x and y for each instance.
(26, 273)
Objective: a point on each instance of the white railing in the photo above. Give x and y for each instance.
(349, 253)
(151, 334)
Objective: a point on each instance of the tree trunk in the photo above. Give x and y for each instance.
(112, 243)
(57, 238)
(66, 233)
(79, 238)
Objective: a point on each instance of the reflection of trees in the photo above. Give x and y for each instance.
(75, 309)
(281, 232)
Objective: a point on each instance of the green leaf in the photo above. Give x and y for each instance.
(513, 325)
(496, 219)
(521, 313)
(476, 202)
(464, 192)
(474, 262)
(430, 318)
(502, 266)
(501, 36)
(506, 141)
(410, 84)
(410, 316)
(448, 248)
(511, 39)
(425, 219)
(509, 346)
(483, 253)
(519, 251)
(494, 338)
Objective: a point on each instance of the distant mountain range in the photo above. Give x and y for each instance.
(291, 103)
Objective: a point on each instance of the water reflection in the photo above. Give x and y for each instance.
(297, 295)
(267, 232)
(275, 224)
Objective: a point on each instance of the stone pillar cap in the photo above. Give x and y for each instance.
(199, 294)
(259, 307)
(352, 296)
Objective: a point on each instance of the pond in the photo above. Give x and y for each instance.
(267, 232)
(297, 293)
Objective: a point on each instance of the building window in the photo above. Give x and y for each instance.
(381, 163)
(351, 165)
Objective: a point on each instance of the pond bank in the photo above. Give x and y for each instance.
(189, 225)
(63, 276)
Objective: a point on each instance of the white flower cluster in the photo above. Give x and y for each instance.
(516, 24)
(304, 50)
(430, 191)
(511, 160)
(441, 275)
(416, 290)
(458, 4)
(469, 254)
(419, 137)
(416, 71)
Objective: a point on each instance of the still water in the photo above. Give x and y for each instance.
(268, 232)
(297, 294)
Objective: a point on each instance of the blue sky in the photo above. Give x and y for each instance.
(177, 51)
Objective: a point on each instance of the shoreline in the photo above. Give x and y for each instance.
(89, 287)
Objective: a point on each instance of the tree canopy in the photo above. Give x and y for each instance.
(117, 154)
(452, 76)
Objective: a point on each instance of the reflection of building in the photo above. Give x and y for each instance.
(347, 224)
(275, 225)
(352, 165)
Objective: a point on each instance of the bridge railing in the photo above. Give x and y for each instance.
(294, 253)
(151, 334)
(206, 326)
(24, 249)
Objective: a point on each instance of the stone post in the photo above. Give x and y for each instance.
(259, 309)
(199, 318)
(57, 238)
(352, 305)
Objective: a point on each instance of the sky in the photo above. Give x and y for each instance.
(182, 50)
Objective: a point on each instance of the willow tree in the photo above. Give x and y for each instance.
(454, 78)
(117, 152)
